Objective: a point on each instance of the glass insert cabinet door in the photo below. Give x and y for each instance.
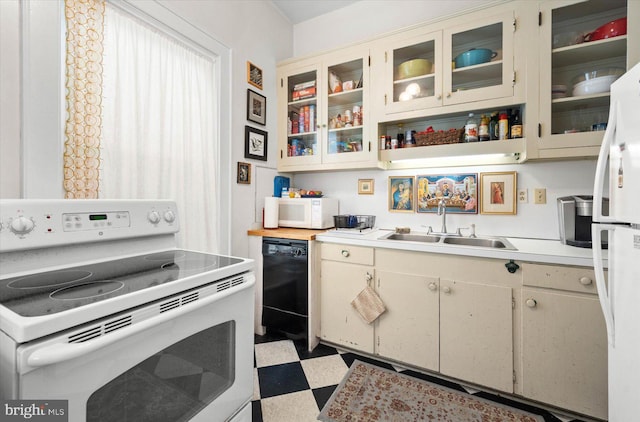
(578, 63)
(347, 109)
(478, 58)
(302, 139)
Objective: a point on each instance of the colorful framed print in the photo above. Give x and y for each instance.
(498, 193)
(401, 194)
(365, 186)
(255, 143)
(256, 107)
(254, 75)
(458, 191)
(244, 173)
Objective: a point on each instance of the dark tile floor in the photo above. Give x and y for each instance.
(292, 384)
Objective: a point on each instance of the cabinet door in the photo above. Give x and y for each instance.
(478, 60)
(347, 124)
(298, 105)
(574, 111)
(564, 351)
(412, 73)
(339, 322)
(408, 331)
(476, 333)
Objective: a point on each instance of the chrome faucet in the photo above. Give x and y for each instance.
(442, 210)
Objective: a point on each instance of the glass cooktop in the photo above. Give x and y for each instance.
(51, 292)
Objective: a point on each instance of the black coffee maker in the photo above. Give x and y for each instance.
(575, 215)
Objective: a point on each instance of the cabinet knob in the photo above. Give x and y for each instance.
(585, 281)
(368, 277)
(531, 303)
(345, 253)
(439, 96)
(433, 286)
(446, 289)
(448, 95)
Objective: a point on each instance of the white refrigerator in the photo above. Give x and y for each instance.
(620, 293)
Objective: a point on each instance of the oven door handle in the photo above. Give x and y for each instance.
(60, 352)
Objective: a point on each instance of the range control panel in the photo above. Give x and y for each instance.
(32, 224)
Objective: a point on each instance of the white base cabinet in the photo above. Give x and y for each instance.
(564, 340)
(537, 333)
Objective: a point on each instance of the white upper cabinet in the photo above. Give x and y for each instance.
(574, 111)
(468, 60)
(323, 112)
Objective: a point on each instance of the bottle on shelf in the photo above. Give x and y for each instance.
(493, 126)
(516, 124)
(483, 129)
(471, 129)
(503, 127)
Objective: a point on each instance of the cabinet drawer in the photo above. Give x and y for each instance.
(347, 253)
(575, 279)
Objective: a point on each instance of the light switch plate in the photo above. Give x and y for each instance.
(540, 196)
(523, 196)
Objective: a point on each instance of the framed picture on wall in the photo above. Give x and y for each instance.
(254, 75)
(457, 191)
(401, 194)
(256, 107)
(244, 173)
(365, 186)
(498, 193)
(255, 143)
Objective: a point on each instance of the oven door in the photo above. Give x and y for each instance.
(190, 362)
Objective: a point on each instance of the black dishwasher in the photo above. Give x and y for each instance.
(285, 286)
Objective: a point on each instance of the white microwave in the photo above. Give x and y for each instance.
(307, 213)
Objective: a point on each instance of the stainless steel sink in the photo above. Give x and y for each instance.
(478, 242)
(497, 243)
(412, 237)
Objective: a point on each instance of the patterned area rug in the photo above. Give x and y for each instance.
(370, 393)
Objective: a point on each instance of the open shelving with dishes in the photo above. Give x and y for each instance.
(579, 65)
(453, 154)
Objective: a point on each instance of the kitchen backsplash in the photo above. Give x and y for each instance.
(532, 220)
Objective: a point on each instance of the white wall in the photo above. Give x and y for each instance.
(367, 19)
(532, 220)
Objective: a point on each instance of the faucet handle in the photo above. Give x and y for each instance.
(459, 232)
(473, 231)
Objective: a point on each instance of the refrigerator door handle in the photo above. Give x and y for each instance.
(601, 166)
(603, 292)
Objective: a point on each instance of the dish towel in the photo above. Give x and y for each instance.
(368, 304)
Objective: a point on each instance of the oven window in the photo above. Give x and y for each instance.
(172, 385)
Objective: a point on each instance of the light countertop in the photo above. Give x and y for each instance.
(533, 250)
(287, 233)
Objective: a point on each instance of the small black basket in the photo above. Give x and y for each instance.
(358, 222)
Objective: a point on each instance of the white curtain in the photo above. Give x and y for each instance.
(160, 128)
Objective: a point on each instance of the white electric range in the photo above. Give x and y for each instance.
(101, 311)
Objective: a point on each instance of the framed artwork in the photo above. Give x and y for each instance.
(365, 186)
(255, 143)
(401, 194)
(459, 192)
(244, 173)
(256, 107)
(498, 193)
(254, 75)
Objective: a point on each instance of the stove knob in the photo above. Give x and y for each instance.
(21, 225)
(169, 216)
(153, 217)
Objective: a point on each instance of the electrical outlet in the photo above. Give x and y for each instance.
(523, 196)
(540, 196)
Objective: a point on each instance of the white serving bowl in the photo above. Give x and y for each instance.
(594, 86)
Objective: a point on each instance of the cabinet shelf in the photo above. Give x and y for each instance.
(572, 103)
(509, 151)
(589, 52)
(346, 97)
(303, 102)
(354, 129)
(413, 79)
(479, 72)
(301, 134)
